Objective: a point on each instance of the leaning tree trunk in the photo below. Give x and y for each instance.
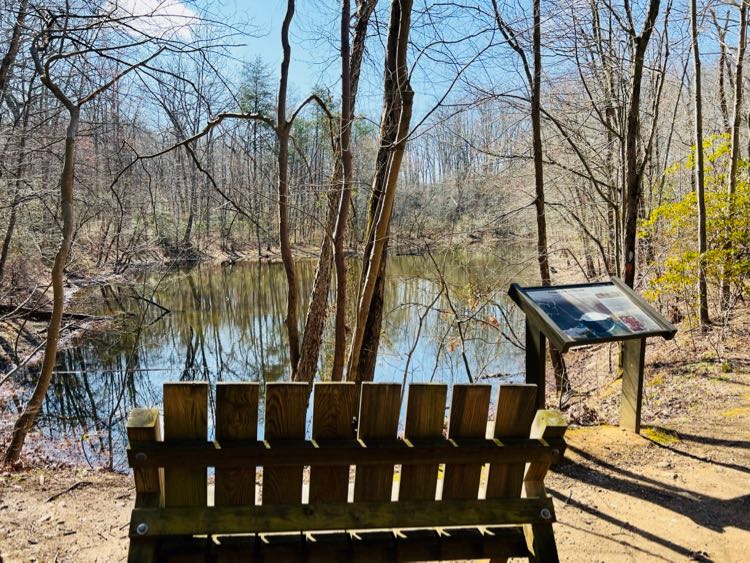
(339, 235)
(317, 311)
(312, 338)
(26, 420)
(394, 129)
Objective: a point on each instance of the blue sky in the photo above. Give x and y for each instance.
(312, 52)
(314, 39)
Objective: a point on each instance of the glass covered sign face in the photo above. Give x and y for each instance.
(593, 312)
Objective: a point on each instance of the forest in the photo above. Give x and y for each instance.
(156, 155)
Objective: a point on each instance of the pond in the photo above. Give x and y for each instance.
(215, 323)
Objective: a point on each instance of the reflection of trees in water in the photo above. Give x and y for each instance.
(91, 407)
(226, 324)
(476, 290)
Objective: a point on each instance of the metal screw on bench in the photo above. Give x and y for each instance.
(545, 513)
(140, 456)
(142, 529)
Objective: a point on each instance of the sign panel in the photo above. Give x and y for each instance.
(573, 315)
(581, 314)
(585, 313)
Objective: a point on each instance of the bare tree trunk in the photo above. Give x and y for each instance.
(739, 86)
(721, 32)
(397, 107)
(533, 76)
(15, 44)
(536, 128)
(699, 169)
(26, 420)
(542, 248)
(5, 67)
(345, 198)
(190, 180)
(282, 130)
(316, 314)
(633, 170)
(16, 194)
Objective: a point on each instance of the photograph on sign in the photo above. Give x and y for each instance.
(589, 312)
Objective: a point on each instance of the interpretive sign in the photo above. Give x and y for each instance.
(576, 315)
(583, 314)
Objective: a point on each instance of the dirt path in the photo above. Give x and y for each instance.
(681, 490)
(625, 498)
(85, 523)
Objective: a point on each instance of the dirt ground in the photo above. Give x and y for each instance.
(678, 492)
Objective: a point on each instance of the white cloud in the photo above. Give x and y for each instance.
(162, 18)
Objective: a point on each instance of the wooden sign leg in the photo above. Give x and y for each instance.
(633, 356)
(536, 350)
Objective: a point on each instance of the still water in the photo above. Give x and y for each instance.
(226, 324)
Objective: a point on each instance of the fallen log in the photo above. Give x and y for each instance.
(8, 312)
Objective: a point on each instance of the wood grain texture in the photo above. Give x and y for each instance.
(540, 537)
(340, 516)
(286, 409)
(468, 420)
(536, 361)
(185, 419)
(548, 425)
(425, 414)
(236, 421)
(516, 407)
(144, 428)
(379, 409)
(289, 453)
(633, 357)
(334, 408)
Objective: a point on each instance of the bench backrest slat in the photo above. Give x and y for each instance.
(425, 413)
(144, 428)
(468, 419)
(185, 419)
(334, 409)
(354, 426)
(379, 410)
(516, 407)
(339, 416)
(236, 419)
(286, 408)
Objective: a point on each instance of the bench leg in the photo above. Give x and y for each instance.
(540, 539)
(142, 551)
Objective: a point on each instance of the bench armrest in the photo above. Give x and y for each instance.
(144, 428)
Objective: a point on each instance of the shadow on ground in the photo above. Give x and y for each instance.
(706, 511)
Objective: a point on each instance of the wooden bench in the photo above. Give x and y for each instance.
(487, 500)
